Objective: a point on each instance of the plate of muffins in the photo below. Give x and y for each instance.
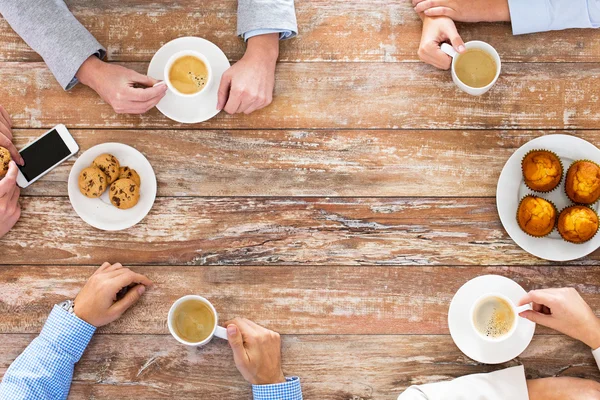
(547, 197)
(112, 186)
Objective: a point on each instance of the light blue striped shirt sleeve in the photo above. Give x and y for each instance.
(283, 34)
(290, 390)
(45, 369)
(529, 16)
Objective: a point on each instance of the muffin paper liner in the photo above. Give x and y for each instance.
(562, 167)
(565, 188)
(578, 205)
(537, 197)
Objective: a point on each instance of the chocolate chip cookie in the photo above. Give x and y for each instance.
(4, 160)
(92, 182)
(130, 173)
(109, 165)
(124, 193)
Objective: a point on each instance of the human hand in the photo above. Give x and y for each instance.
(435, 32)
(247, 86)
(97, 303)
(116, 85)
(256, 351)
(465, 10)
(565, 311)
(10, 210)
(6, 136)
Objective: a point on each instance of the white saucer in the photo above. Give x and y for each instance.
(459, 321)
(100, 213)
(511, 189)
(195, 109)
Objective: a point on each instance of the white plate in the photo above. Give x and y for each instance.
(100, 213)
(511, 189)
(462, 331)
(195, 109)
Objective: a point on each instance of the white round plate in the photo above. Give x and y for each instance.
(511, 189)
(192, 109)
(100, 213)
(461, 330)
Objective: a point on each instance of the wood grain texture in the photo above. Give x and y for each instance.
(341, 95)
(338, 30)
(309, 163)
(294, 300)
(330, 367)
(263, 231)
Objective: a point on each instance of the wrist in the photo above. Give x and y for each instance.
(593, 339)
(501, 12)
(263, 47)
(89, 71)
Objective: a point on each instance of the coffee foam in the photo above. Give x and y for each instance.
(493, 317)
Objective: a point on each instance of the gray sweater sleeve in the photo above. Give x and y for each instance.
(54, 33)
(266, 14)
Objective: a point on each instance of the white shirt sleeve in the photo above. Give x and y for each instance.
(596, 354)
(529, 16)
(505, 384)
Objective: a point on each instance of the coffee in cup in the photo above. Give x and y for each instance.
(188, 73)
(493, 317)
(193, 321)
(477, 69)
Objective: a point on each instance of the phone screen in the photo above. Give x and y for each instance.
(43, 155)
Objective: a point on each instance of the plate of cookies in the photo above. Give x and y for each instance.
(112, 186)
(547, 197)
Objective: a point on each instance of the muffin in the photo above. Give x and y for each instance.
(577, 224)
(583, 182)
(542, 170)
(536, 216)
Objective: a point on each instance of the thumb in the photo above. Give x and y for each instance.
(131, 297)
(538, 318)
(234, 337)
(457, 41)
(145, 80)
(223, 91)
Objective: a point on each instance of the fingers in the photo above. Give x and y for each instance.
(223, 93)
(5, 128)
(148, 94)
(422, 5)
(6, 116)
(415, 2)
(126, 277)
(236, 342)
(14, 153)
(542, 297)
(538, 318)
(131, 297)
(103, 267)
(246, 102)
(145, 80)
(113, 267)
(441, 12)
(9, 182)
(456, 40)
(432, 54)
(14, 199)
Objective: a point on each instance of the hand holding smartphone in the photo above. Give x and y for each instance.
(45, 153)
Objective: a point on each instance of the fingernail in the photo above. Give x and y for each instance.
(141, 289)
(160, 83)
(231, 330)
(461, 48)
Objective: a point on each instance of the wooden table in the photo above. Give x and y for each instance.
(345, 215)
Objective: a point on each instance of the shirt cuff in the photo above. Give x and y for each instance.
(596, 354)
(101, 53)
(67, 332)
(290, 390)
(528, 16)
(283, 34)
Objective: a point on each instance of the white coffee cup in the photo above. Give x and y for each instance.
(516, 311)
(217, 330)
(177, 56)
(475, 44)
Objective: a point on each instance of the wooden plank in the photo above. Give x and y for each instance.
(309, 163)
(292, 300)
(338, 30)
(330, 367)
(342, 95)
(284, 231)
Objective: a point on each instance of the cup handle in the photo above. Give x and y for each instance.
(446, 48)
(221, 332)
(524, 307)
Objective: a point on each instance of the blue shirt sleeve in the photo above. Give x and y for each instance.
(529, 16)
(290, 390)
(283, 34)
(45, 369)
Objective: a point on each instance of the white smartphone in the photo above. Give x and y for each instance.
(45, 153)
